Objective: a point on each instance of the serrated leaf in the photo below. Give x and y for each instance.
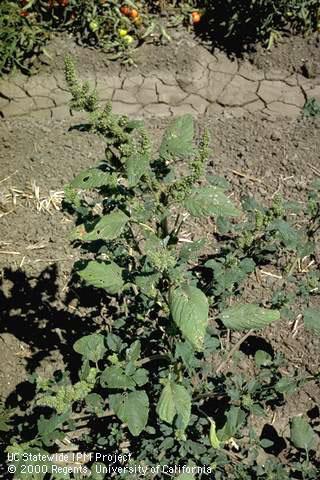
(247, 317)
(301, 434)
(115, 377)
(210, 201)
(311, 319)
(103, 275)
(109, 227)
(91, 347)
(132, 409)
(91, 178)
(178, 138)
(136, 166)
(189, 309)
(174, 400)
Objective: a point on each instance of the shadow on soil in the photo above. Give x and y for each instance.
(32, 310)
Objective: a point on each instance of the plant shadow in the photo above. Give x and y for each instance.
(36, 312)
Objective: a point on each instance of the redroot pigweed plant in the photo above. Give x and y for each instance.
(159, 381)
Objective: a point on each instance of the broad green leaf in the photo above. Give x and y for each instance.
(192, 250)
(288, 235)
(189, 309)
(235, 419)
(247, 317)
(217, 181)
(141, 376)
(174, 400)
(178, 138)
(134, 351)
(210, 201)
(109, 227)
(91, 347)
(214, 440)
(311, 318)
(137, 165)
(115, 377)
(92, 178)
(132, 409)
(185, 351)
(103, 275)
(301, 434)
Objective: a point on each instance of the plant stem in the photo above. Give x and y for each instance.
(233, 349)
(158, 356)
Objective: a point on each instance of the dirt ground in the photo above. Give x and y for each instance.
(41, 315)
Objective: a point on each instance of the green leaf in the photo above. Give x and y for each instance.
(178, 138)
(185, 351)
(301, 434)
(214, 440)
(235, 419)
(108, 227)
(95, 403)
(189, 309)
(147, 283)
(174, 400)
(5, 415)
(141, 377)
(247, 317)
(92, 178)
(134, 351)
(137, 165)
(48, 427)
(103, 275)
(217, 181)
(91, 347)
(192, 250)
(115, 377)
(311, 318)
(286, 385)
(210, 201)
(132, 409)
(288, 235)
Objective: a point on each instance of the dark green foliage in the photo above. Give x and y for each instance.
(238, 25)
